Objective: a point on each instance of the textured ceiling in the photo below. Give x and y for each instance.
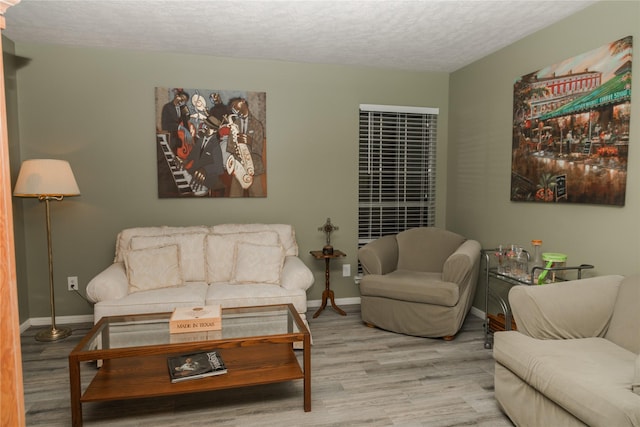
(425, 35)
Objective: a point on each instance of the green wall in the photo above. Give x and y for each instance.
(95, 108)
(478, 175)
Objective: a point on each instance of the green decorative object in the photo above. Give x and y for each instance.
(551, 259)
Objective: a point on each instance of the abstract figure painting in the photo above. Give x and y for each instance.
(211, 143)
(571, 129)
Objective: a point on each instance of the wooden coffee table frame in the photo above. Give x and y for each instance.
(138, 372)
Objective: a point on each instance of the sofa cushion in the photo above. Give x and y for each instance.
(589, 377)
(403, 285)
(191, 251)
(228, 295)
(123, 239)
(220, 251)
(153, 268)
(154, 301)
(286, 233)
(257, 263)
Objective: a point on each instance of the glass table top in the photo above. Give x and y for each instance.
(153, 329)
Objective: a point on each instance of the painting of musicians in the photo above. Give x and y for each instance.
(211, 143)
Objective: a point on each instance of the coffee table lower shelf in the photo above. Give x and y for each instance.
(148, 376)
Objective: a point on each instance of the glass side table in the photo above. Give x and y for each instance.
(491, 272)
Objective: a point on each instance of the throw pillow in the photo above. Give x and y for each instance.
(191, 247)
(220, 250)
(153, 268)
(258, 263)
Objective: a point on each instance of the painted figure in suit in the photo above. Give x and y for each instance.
(172, 117)
(250, 131)
(204, 162)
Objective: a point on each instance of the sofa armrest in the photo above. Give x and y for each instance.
(462, 265)
(109, 284)
(295, 274)
(565, 310)
(379, 256)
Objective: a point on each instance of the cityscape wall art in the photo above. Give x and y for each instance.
(571, 129)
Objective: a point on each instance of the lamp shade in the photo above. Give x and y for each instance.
(46, 177)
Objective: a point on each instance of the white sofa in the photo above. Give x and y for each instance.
(157, 269)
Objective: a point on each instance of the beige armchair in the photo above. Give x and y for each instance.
(574, 360)
(419, 282)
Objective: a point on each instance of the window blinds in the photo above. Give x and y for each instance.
(396, 171)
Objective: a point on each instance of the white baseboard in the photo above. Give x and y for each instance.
(356, 300)
(60, 320)
(86, 318)
(477, 312)
(339, 301)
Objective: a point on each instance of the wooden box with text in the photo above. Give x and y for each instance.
(196, 319)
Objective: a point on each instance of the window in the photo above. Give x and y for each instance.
(397, 170)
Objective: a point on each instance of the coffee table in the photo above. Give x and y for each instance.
(256, 344)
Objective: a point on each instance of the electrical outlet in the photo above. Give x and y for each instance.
(346, 270)
(72, 283)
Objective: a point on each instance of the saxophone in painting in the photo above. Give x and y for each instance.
(240, 164)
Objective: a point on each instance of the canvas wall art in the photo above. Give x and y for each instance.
(571, 129)
(211, 143)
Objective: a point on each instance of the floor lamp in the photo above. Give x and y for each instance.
(47, 180)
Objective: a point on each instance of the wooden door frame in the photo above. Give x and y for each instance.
(11, 385)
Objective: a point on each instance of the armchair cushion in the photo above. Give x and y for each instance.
(426, 248)
(415, 286)
(542, 312)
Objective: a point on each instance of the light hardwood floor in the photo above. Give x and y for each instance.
(360, 376)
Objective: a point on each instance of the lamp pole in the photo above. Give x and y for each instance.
(54, 333)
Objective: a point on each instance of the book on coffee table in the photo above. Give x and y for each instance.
(195, 365)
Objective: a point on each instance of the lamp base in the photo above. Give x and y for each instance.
(53, 334)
